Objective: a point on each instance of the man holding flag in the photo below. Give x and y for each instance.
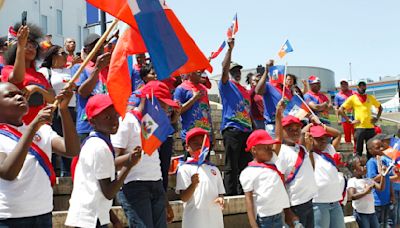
(236, 122)
(272, 94)
(148, 128)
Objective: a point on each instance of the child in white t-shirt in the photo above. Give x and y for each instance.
(326, 206)
(95, 183)
(359, 190)
(263, 183)
(200, 186)
(26, 173)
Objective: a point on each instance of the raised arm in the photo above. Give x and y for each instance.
(335, 134)
(260, 87)
(18, 74)
(227, 61)
(280, 108)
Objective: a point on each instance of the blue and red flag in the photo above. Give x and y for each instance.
(215, 54)
(203, 154)
(277, 74)
(155, 126)
(234, 28)
(286, 48)
(155, 29)
(297, 108)
(393, 151)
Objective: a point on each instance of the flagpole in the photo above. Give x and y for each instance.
(284, 82)
(202, 147)
(312, 113)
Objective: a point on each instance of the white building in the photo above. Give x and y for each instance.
(60, 18)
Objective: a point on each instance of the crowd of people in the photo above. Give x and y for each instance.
(287, 168)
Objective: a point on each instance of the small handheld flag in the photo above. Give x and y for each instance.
(393, 151)
(155, 126)
(297, 108)
(234, 28)
(277, 74)
(215, 54)
(205, 149)
(286, 48)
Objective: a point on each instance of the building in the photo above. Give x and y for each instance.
(60, 18)
(302, 72)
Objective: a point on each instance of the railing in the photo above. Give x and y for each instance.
(390, 120)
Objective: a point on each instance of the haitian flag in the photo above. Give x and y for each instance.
(204, 152)
(297, 108)
(286, 48)
(234, 28)
(215, 54)
(277, 74)
(155, 126)
(393, 151)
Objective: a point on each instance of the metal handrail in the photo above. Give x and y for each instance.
(390, 120)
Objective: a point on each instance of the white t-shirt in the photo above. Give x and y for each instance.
(128, 137)
(87, 203)
(303, 188)
(201, 210)
(269, 192)
(364, 205)
(30, 194)
(59, 78)
(327, 178)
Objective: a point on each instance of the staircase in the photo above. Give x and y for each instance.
(235, 208)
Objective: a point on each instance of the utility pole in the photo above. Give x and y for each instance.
(103, 22)
(351, 78)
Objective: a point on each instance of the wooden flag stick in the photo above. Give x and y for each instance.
(202, 148)
(89, 57)
(284, 82)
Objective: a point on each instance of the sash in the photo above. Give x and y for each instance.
(268, 166)
(344, 192)
(34, 150)
(297, 166)
(245, 95)
(106, 139)
(327, 157)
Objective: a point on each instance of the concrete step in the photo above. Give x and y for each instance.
(234, 214)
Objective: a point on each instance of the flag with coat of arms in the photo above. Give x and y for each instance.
(286, 48)
(297, 107)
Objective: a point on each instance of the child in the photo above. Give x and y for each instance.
(26, 173)
(263, 184)
(374, 171)
(95, 184)
(294, 162)
(359, 191)
(200, 187)
(326, 206)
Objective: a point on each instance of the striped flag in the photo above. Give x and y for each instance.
(286, 48)
(234, 28)
(215, 54)
(297, 108)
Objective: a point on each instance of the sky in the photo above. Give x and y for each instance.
(328, 34)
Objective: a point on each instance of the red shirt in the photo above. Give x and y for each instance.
(32, 77)
(256, 105)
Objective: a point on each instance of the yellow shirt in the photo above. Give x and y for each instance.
(362, 111)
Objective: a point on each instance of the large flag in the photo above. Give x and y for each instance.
(286, 48)
(297, 108)
(215, 54)
(234, 28)
(155, 126)
(277, 74)
(393, 151)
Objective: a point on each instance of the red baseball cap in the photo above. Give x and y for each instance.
(289, 120)
(318, 131)
(195, 132)
(160, 90)
(97, 104)
(259, 137)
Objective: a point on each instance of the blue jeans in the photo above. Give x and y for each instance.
(397, 208)
(273, 221)
(147, 198)
(366, 220)
(39, 221)
(133, 218)
(382, 212)
(305, 213)
(328, 215)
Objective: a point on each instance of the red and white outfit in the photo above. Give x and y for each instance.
(201, 210)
